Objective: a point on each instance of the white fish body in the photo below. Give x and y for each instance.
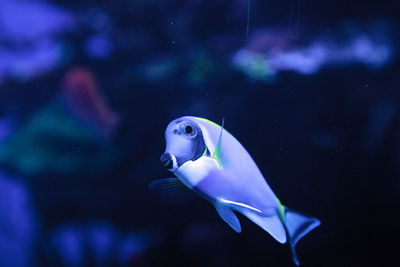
(227, 176)
(238, 184)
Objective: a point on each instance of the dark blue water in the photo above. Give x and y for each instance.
(87, 88)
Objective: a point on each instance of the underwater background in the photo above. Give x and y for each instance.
(310, 88)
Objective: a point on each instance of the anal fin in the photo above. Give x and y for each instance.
(272, 225)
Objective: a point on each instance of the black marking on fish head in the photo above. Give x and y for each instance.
(184, 142)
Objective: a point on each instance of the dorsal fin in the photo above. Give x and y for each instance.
(217, 151)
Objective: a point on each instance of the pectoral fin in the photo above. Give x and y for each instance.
(170, 189)
(229, 217)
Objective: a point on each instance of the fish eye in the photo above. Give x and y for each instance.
(188, 130)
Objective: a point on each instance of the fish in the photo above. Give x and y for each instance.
(208, 160)
(85, 101)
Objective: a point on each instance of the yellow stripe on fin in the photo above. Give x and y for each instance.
(217, 152)
(208, 121)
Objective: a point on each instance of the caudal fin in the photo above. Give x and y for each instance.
(297, 225)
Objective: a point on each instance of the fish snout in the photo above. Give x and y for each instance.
(167, 160)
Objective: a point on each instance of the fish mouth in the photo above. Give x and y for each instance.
(169, 162)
